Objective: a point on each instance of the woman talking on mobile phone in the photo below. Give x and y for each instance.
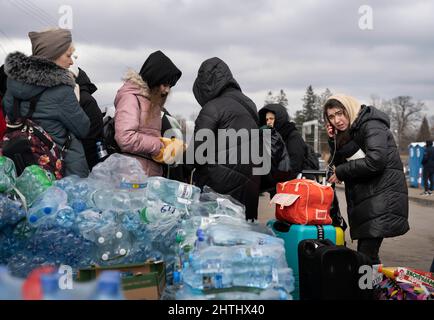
(366, 158)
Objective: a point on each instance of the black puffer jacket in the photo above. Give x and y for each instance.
(375, 186)
(93, 112)
(214, 90)
(295, 145)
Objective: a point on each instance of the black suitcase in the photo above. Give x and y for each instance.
(330, 272)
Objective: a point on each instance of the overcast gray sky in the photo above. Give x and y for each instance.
(269, 45)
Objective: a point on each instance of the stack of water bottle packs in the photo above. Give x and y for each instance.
(231, 260)
(119, 215)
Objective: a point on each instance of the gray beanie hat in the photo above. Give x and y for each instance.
(50, 44)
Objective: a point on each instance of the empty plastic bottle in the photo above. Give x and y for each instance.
(225, 206)
(119, 200)
(33, 181)
(47, 204)
(201, 241)
(101, 151)
(156, 210)
(113, 242)
(172, 192)
(8, 174)
(229, 235)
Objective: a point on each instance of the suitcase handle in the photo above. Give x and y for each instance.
(316, 173)
(280, 226)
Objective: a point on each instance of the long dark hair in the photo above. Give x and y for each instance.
(342, 137)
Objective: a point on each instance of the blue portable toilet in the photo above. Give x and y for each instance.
(415, 151)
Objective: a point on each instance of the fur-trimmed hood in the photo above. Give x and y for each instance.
(133, 79)
(36, 71)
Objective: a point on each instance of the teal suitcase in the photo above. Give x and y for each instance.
(292, 235)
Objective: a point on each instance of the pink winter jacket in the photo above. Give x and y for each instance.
(132, 134)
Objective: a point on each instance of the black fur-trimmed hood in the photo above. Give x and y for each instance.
(36, 71)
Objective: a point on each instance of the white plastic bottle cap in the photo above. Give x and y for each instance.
(101, 240)
(105, 257)
(119, 235)
(123, 252)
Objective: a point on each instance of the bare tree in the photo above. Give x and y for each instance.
(405, 114)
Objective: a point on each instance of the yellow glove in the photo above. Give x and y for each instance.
(171, 151)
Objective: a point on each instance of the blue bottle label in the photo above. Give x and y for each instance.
(134, 186)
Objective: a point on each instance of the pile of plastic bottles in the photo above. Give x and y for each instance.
(230, 260)
(119, 215)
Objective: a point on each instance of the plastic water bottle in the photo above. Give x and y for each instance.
(119, 172)
(109, 286)
(240, 255)
(201, 241)
(119, 200)
(8, 174)
(113, 242)
(33, 181)
(10, 287)
(47, 204)
(225, 206)
(101, 151)
(263, 277)
(172, 192)
(228, 235)
(156, 210)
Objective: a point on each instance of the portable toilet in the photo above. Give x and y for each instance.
(416, 151)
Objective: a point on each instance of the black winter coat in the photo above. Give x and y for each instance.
(93, 112)
(214, 89)
(428, 159)
(295, 145)
(375, 186)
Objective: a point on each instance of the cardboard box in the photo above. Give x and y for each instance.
(142, 281)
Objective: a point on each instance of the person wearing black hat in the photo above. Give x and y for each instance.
(138, 105)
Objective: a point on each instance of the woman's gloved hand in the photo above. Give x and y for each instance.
(171, 151)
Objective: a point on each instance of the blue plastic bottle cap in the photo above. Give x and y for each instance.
(47, 210)
(33, 219)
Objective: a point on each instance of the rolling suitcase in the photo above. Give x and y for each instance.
(330, 272)
(293, 234)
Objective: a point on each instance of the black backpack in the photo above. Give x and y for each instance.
(109, 133)
(109, 136)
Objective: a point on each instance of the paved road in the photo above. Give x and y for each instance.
(414, 249)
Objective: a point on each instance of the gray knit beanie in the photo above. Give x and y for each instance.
(50, 44)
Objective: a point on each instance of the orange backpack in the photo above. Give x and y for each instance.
(303, 201)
